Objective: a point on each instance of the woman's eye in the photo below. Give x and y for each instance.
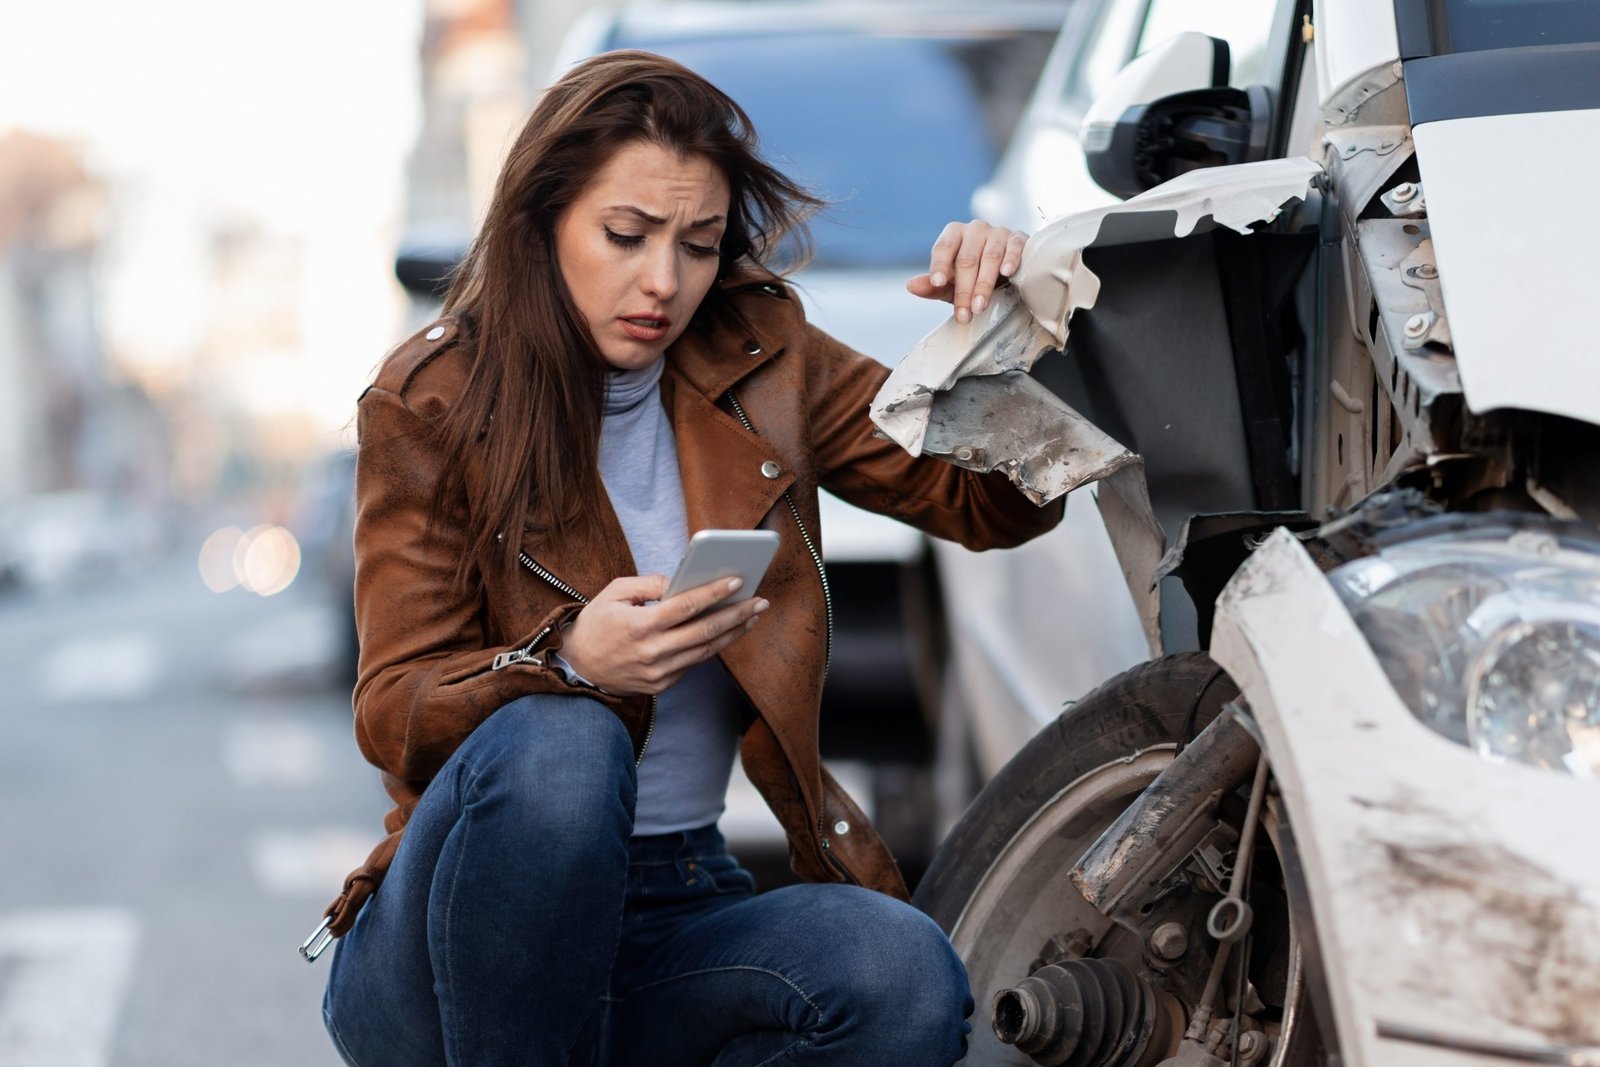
(626, 240)
(702, 251)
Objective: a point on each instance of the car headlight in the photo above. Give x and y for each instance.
(1491, 635)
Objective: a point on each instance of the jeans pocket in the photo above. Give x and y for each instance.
(726, 875)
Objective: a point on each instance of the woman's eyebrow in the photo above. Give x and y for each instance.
(654, 220)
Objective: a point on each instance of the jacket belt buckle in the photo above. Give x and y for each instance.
(317, 943)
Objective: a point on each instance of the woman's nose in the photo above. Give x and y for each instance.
(661, 275)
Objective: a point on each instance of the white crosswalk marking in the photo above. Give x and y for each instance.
(309, 863)
(284, 642)
(274, 752)
(67, 972)
(122, 666)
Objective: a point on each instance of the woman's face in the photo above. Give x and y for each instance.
(638, 249)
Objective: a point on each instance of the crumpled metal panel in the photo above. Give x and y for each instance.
(1003, 338)
(1034, 313)
(930, 404)
(1011, 423)
(1053, 279)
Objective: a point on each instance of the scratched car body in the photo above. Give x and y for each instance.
(1327, 381)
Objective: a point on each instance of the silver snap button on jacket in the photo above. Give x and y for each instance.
(770, 469)
(841, 827)
(752, 348)
(435, 333)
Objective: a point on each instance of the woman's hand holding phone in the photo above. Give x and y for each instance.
(628, 641)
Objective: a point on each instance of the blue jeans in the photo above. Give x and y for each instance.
(522, 924)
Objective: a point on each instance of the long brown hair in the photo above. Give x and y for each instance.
(535, 364)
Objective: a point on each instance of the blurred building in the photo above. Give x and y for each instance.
(473, 103)
(544, 25)
(65, 424)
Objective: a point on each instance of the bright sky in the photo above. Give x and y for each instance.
(280, 108)
(294, 116)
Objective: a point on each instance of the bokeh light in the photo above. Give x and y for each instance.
(266, 560)
(216, 559)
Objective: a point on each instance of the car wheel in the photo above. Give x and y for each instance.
(999, 888)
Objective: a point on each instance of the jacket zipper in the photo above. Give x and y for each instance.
(827, 659)
(805, 535)
(505, 659)
(827, 848)
(827, 852)
(560, 586)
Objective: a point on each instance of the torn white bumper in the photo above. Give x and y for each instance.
(1450, 894)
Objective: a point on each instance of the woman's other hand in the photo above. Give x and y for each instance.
(625, 644)
(968, 259)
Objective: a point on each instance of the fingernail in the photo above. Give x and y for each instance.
(762, 605)
(963, 315)
(734, 584)
(978, 303)
(1008, 268)
(937, 278)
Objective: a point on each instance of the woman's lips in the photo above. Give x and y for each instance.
(646, 328)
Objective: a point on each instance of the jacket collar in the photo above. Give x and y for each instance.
(716, 360)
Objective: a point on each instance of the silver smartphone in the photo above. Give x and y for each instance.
(714, 554)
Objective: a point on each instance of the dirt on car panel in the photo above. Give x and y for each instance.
(1481, 901)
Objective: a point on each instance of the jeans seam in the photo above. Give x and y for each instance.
(338, 1039)
(784, 1052)
(467, 778)
(733, 967)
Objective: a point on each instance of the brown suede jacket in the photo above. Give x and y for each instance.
(435, 662)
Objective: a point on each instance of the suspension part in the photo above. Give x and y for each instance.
(1088, 1013)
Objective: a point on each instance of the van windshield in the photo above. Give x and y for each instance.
(1481, 25)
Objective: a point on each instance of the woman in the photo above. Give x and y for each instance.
(616, 368)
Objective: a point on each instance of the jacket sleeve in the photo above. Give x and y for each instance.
(426, 676)
(976, 510)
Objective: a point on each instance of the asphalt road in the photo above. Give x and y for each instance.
(180, 796)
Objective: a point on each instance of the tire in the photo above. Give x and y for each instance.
(1139, 710)
(995, 884)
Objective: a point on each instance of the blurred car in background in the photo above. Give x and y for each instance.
(324, 524)
(59, 539)
(894, 113)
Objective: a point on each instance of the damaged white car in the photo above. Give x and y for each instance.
(1330, 379)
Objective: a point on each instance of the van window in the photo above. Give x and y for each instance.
(1127, 28)
(1479, 25)
(1245, 24)
(1108, 48)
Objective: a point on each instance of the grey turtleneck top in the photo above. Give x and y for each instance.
(683, 780)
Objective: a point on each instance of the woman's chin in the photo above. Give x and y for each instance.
(632, 356)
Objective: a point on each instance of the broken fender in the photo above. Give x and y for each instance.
(1033, 315)
(963, 393)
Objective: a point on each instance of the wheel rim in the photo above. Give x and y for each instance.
(1011, 912)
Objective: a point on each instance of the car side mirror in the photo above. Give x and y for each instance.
(1171, 111)
(988, 202)
(425, 268)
